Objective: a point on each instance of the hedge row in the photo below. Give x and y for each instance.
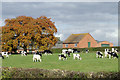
(59, 50)
(55, 73)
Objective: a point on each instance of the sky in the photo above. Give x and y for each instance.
(100, 19)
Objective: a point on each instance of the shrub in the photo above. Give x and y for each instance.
(55, 73)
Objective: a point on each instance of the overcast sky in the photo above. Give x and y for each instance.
(100, 19)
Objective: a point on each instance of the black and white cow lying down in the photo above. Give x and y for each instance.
(23, 53)
(99, 54)
(47, 52)
(62, 57)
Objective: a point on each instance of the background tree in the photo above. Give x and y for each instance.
(28, 32)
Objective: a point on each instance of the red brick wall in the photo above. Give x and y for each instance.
(70, 46)
(84, 42)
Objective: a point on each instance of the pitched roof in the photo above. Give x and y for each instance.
(75, 38)
(99, 41)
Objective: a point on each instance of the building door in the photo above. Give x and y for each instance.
(105, 45)
(89, 44)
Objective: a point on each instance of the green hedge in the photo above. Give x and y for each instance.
(59, 50)
(56, 73)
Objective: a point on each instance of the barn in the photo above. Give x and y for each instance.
(104, 44)
(83, 40)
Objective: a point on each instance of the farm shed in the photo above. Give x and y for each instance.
(83, 40)
(104, 44)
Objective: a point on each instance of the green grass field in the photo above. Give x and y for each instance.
(89, 63)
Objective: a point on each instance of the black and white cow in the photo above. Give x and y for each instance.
(5, 54)
(66, 52)
(48, 52)
(70, 50)
(87, 51)
(111, 54)
(62, 57)
(115, 50)
(99, 54)
(39, 53)
(23, 53)
(1, 56)
(76, 51)
(106, 52)
(77, 56)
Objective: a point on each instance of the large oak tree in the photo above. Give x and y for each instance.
(27, 32)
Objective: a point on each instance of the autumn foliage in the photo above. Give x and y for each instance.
(28, 33)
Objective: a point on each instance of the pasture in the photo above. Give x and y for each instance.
(89, 63)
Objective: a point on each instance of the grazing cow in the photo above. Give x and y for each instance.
(70, 50)
(87, 51)
(23, 53)
(62, 56)
(1, 56)
(76, 51)
(116, 51)
(77, 56)
(106, 52)
(36, 58)
(68, 53)
(64, 50)
(39, 53)
(112, 54)
(113, 49)
(48, 52)
(5, 54)
(99, 54)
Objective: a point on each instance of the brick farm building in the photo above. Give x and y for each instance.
(84, 40)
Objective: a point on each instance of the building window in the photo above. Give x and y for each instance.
(66, 45)
(76, 45)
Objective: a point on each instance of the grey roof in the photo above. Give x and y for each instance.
(75, 38)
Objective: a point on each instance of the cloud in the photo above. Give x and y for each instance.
(60, 0)
(59, 35)
(100, 19)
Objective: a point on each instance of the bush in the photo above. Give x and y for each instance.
(55, 73)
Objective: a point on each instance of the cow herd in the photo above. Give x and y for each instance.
(66, 53)
(108, 53)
